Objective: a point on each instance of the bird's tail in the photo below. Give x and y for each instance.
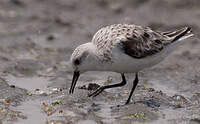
(179, 35)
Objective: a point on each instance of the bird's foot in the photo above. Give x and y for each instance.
(97, 92)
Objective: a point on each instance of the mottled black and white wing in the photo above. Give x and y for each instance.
(135, 41)
(148, 42)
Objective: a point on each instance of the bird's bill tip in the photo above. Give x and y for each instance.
(74, 80)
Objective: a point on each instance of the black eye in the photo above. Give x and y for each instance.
(76, 62)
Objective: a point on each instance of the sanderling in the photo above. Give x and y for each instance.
(124, 48)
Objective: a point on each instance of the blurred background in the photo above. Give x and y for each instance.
(68, 23)
(37, 38)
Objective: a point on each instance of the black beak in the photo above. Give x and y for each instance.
(74, 80)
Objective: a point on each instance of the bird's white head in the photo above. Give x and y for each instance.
(83, 59)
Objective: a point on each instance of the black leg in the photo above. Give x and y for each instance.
(98, 91)
(135, 82)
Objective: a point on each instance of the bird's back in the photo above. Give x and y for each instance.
(110, 35)
(135, 41)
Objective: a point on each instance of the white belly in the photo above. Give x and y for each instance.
(127, 64)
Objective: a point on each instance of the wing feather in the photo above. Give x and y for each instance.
(136, 41)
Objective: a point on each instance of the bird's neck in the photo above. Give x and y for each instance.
(96, 61)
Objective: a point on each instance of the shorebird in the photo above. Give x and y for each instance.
(124, 48)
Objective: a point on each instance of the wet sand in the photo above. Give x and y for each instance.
(38, 36)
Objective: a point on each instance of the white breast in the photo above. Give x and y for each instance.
(127, 64)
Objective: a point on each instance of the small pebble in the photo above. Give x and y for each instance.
(151, 89)
(12, 86)
(18, 2)
(60, 111)
(50, 37)
(93, 86)
(37, 89)
(7, 100)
